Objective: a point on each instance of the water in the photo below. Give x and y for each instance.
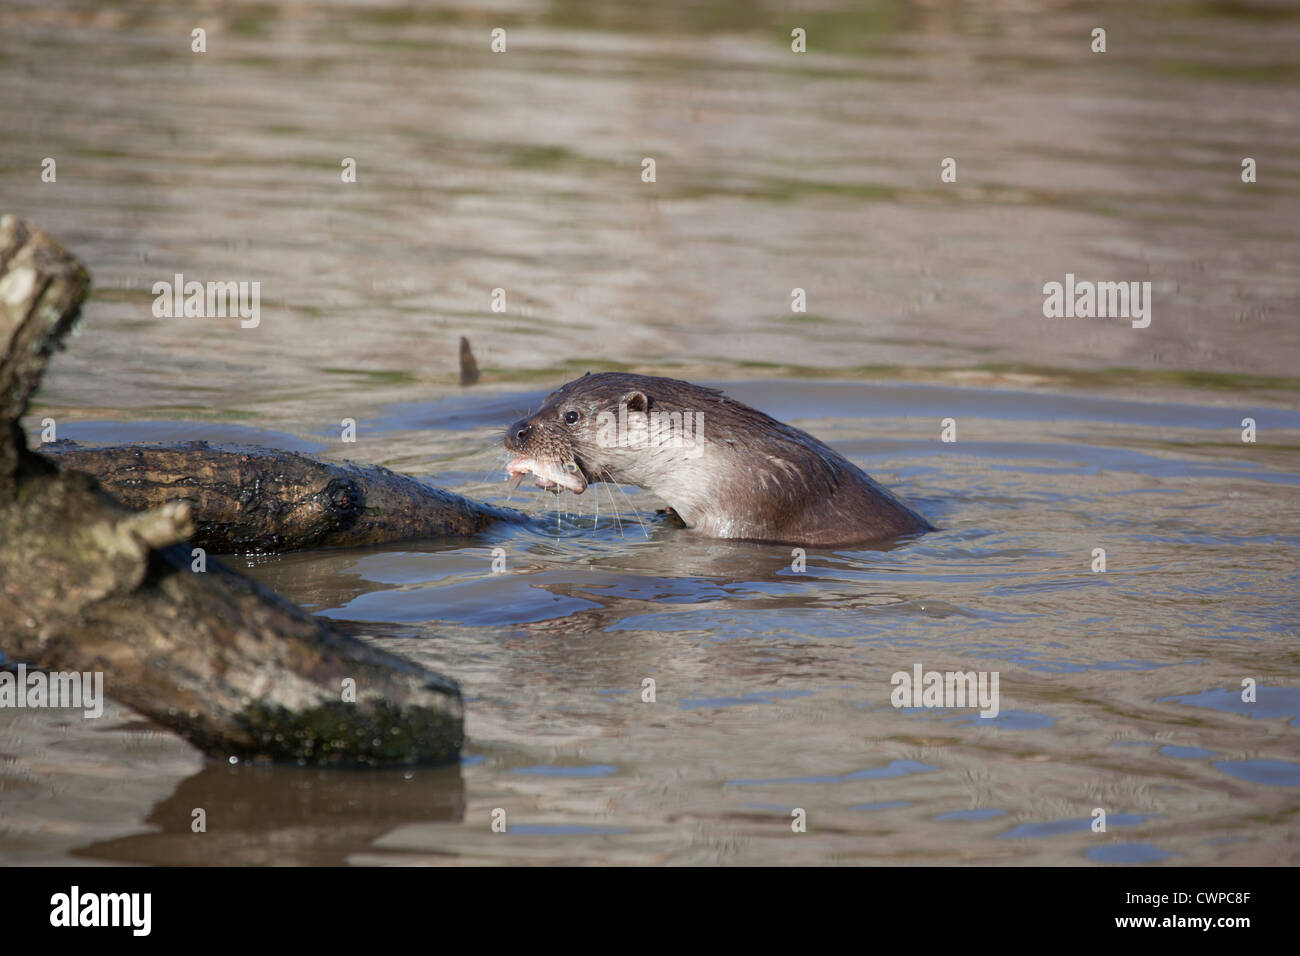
(1119, 690)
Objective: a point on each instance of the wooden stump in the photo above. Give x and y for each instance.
(88, 585)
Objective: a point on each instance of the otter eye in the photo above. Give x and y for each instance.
(571, 417)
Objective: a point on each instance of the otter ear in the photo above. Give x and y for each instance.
(635, 401)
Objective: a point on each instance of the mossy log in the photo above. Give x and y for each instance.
(252, 499)
(88, 585)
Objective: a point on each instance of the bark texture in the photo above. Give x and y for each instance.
(251, 499)
(87, 585)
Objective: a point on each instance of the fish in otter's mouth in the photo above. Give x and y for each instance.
(549, 474)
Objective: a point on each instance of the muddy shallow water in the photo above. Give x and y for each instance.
(521, 171)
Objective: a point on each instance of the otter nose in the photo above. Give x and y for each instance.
(518, 433)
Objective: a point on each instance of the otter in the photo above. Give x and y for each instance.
(727, 470)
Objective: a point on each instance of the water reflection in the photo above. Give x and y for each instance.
(282, 816)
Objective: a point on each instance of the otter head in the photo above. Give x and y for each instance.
(567, 443)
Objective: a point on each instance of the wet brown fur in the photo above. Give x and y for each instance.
(757, 479)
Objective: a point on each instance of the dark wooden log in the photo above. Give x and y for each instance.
(87, 585)
(251, 499)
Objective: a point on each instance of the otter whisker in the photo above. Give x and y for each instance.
(635, 513)
(613, 510)
(613, 505)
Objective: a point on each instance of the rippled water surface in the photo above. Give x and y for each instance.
(1119, 689)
